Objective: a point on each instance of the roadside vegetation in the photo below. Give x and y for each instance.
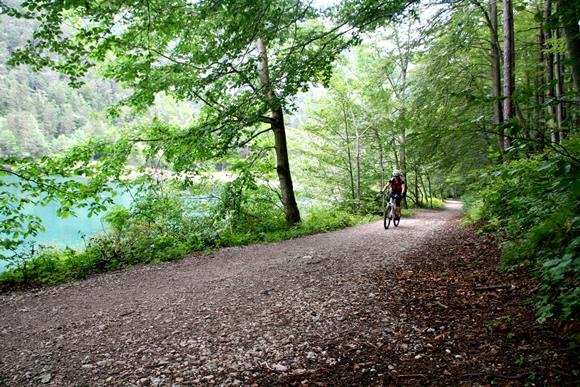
(533, 205)
(163, 225)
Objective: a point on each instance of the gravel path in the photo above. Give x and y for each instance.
(224, 318)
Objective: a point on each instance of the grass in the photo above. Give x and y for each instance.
(132, 242)
(138, 244)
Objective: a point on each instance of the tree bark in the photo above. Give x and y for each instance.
(540, 79)
(430, 191)
(423, 187)
(495, 55)
(349, 156)
(508, 66)
(417, 193)
(549, 70)
(568, 10)
(282, 161)
(558, 133)
(403, 151)
(358, 152)
(381, 162)
(381, 156)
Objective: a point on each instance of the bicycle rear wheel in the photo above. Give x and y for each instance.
(388, 216)
(396, 220)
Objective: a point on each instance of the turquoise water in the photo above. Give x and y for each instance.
(69, 231)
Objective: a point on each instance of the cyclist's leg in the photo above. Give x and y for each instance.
(398, 206)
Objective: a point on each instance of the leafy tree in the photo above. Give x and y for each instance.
(243, 59)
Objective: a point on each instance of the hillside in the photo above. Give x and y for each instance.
(40, 113)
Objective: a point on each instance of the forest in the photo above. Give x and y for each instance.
(236, 122)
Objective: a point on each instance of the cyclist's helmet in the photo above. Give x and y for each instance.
(396, 173)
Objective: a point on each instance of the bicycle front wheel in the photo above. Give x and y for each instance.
(387, 217)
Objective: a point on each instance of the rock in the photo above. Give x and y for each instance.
(45, 378)
(279, 368)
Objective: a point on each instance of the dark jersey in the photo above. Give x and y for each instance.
(397, 185)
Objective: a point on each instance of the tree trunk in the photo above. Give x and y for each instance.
(549, 71)
(397, 161)
(558, 132)
(568, 10)
(280, 145)
(381, 156)
(508, 66)
(423, 187)
(349, 155)
(357, 157)
(381, 162)
(495, 55)
(403, 150)
(430, 192)
(417, 194)
(540, 77)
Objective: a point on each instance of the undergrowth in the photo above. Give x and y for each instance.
(533, 206)
(162, 225)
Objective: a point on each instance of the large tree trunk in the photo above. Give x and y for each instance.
(508, 65)
(568, 10)
(549, 72)
(495, 55)
(540, 80)
(280, 145)
(558, 133)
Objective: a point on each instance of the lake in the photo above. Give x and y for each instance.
(68, 231)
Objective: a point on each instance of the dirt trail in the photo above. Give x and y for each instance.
(275, 314)
(206, 318)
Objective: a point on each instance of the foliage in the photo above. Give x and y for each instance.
(534, 204)
(73, 179)
(162, 224)
(41, 114)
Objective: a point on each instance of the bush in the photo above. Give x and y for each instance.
(533, 206)
(163, 225)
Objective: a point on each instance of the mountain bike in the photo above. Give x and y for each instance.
(390, 211)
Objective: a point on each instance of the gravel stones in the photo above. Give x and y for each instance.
(224, 318)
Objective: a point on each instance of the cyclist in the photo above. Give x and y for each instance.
(398, 190)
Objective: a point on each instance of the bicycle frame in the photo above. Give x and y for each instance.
(389, 214)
